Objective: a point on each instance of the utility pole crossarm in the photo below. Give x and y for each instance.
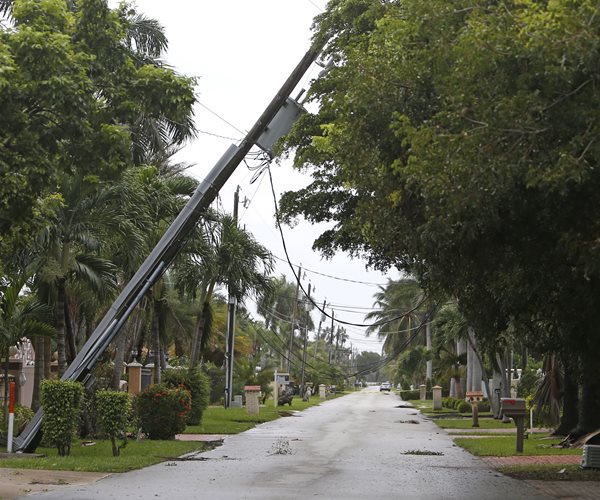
(167, 248)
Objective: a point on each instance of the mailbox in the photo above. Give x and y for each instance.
(513, 407)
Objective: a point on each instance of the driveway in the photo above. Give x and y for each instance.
(358, 446)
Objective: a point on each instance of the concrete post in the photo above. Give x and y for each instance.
(437, 397)
(150, 366)
(252, 399)
(134, 378)
(322, 393)
(423, 394)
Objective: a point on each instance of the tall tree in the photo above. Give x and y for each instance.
(457, 141)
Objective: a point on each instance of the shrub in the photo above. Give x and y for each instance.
(163, 410)
(450, 402)
(484, 406)
(22, 417)
(408, 395)
(197, 383)
(114, 410)
(62, 403)
(464, 407)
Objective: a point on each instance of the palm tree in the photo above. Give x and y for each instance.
(235, 260)
(20, 316)
(400, 312)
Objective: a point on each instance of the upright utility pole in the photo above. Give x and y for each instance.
(331, 336)
(319, 329)
(305, 343)
(294, 308)
(231, 312)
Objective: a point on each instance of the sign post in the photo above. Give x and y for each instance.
(11, 416)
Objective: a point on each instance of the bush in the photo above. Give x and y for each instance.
(163, 410)
(408, 395)
(464, 407)
(197, 383)
(61, 401)
(22, 417)
(484, 406)
(114, 411)
(450, 402)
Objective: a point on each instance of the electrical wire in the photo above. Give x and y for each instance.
(222, 119)
(334, 277)
(379, 323)
(205, 132)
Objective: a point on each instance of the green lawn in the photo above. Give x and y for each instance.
(218, 420)
(138, 454)
(551, 472)
(498, 446)
(98, 458)
(467, 423)
(426, 407)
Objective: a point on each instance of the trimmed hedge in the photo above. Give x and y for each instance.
(197, 383)
(61, 401)
(162, 410)
(114, 411)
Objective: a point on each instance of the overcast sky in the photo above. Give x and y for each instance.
(241, 52)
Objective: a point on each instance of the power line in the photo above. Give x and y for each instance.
(379, 323)
(334, 277)
(221, 118)
(205, 132)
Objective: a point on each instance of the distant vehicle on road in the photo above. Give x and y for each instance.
(385, 386)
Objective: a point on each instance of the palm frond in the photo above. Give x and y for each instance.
(145, 36)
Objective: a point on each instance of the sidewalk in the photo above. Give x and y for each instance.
(575, 490)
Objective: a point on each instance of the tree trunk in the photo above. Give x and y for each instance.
(6, 385)
(71, 352)
(198, 338)
(119, 359)
(47, 355)
(156, 339)
(38, 370)
(589, 406)
(60, 326)
(570, 414)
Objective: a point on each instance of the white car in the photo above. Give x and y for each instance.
(385, 386)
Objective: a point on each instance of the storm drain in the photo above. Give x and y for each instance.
(408, 421)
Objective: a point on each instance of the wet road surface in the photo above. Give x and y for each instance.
(355, 447)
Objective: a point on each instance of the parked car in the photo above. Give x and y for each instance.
(385, 386)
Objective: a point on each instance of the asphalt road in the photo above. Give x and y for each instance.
(354, 447)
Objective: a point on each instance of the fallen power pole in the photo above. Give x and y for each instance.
(272, 124)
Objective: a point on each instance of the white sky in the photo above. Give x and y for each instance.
(241, 52)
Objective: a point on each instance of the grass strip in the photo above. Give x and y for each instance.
(218, 420)
(466, 423)
(495, 446)
(547, 472)
(98, 458)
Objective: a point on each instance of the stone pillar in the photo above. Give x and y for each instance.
(437, 397)
(423, 389)
(252, 399)
(322, 392)
(134, 378)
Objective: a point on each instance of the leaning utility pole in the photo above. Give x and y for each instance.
(294, 307)
(231, 312)
(274, 122)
